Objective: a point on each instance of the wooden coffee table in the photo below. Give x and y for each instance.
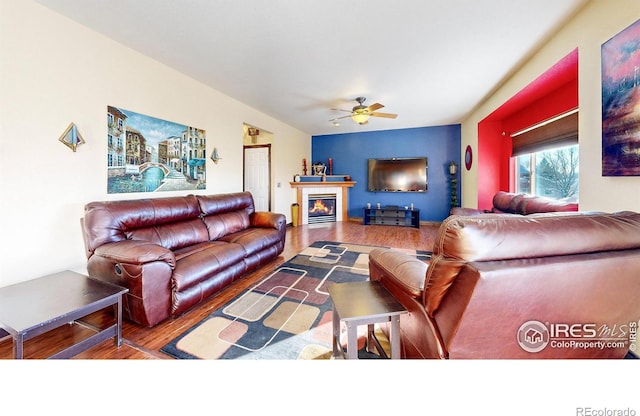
(33, 307)
(364, 303)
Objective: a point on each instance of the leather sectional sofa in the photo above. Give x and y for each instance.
(172, 253)
(522, 204)
(512, 286)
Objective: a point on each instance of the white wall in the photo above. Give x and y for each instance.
(53, 72)
(588, 30)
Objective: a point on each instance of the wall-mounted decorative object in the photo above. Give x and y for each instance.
(253, 133)
(620, 101)
(71, 137)
(215, 156)
(453, 178)
(468, 157)
(147, 154)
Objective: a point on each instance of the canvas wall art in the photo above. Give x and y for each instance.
(147, 154)
(621, 103)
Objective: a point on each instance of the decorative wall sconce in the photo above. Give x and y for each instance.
(453, 173)
(71, 137)
(215, 156)
(453, 168)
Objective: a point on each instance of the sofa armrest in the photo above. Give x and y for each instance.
(142, 267)
(268, 220)
(401, 270)
(135, 252)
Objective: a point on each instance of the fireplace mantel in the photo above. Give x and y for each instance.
(341, 188)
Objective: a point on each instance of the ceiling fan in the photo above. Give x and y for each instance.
(361, 113)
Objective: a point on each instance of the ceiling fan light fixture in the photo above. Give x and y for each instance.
(360, 118)
(361, 113)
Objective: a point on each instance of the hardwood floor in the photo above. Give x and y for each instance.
(145, 343)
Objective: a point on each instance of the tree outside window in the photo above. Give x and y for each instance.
(554, 174)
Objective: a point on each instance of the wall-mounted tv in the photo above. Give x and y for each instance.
(397, 175)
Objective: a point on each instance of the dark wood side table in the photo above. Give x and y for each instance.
(364, 303)
(33, 307)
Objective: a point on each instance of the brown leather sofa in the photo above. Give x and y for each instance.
(510, 286)
(522, 204)
(171, 253)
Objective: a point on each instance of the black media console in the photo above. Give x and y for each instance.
(392, 216)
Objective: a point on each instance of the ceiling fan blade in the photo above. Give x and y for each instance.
(374, 107)
(339, 118)
(339, 109)
(385, 115)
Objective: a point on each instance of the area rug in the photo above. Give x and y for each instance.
(287, 315)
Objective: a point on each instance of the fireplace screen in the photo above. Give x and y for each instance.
(322, 208)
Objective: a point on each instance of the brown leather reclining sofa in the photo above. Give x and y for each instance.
(522, 204)
(511, 286)
(171, 253)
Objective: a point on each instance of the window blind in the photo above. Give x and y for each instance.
(557, 132)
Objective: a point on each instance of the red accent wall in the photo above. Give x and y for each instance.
(489, 161)
(552, 93)
(556, 102)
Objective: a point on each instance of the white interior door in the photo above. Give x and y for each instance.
(257, 175)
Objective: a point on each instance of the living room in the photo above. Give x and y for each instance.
(54, 81)
(56, 71)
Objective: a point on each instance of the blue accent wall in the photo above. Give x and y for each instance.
(350, 152)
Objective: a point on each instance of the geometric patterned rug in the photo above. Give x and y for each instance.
(285, 316)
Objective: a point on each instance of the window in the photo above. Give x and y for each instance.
(547, 158)
(551, 173)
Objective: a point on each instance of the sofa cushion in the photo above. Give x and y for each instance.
(502, 201)
(515, 204)
(226, 214)
(200, 263)
(228, 223)
(536, 205)
(524, 204)
(111, 221)
(254, 240)
(172, 236)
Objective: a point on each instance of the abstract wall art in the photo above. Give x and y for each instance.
(621, 103)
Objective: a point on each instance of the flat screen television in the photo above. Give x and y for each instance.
(397, 175)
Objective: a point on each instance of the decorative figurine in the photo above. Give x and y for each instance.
(319, 168)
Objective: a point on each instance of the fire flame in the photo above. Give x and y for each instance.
(320, 208)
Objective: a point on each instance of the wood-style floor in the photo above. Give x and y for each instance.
(145, 343)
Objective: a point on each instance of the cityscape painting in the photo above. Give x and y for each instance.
(147, 154)
(621, 103)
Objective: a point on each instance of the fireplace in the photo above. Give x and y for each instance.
(305, 190)
(321, 208)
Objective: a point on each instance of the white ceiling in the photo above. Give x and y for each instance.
(431, 62)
